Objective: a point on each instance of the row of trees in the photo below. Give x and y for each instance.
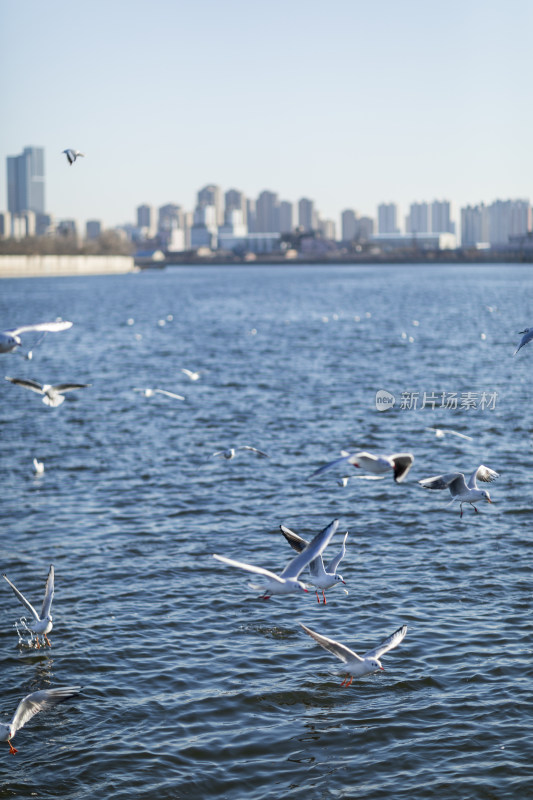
(109, 243)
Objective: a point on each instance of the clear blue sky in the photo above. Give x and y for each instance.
(348, 103)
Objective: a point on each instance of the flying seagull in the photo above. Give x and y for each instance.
(194, 376)
(399, 463)
(460, 489)
(53, 395)
(151, 392)
(72, 155)
(527, 337)
(440, 433)
(322, 577)
(231, 452)
(287, 581)
(356, 666)
(31, 705)
(41, 623)
(10, 339)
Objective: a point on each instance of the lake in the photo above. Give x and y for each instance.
(193, 687)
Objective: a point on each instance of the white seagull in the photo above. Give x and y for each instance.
(72, 155)
(460, 489)
(53, 395)
(151, 392)
(322, 577)
(194, 376)
(440, 433)
(10, 339)
(31, 705)
(399, 463)
(287, 581)
(527, 337)
(41, 624)
(356, 666)
(231, 452)
(38, 466)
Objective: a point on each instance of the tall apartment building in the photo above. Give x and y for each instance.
(25, 181)
(508, 218)
(307, 216)
(235, 201)
(348, 225)
(267, 213)
(441, 221)
(286, 216)
(474, 225)
(146, 219)
(388, 218)
(211, 195)
(418, 219)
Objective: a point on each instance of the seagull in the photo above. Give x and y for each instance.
(38, 466)
(31, 705)
(322, 577)
(527, 337)
(72, 155)
(53, 395)
(287, 581)
(151, 392)
(10, 339)
(400, 463)
(460, 489)
(347, 478)
(440, 433)
(232, 452)
(356, 666)
(41, 624)
(194, 376)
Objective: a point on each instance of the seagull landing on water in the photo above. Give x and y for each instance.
(287, 581)
(72, 155)
(357, 666)
(460, 489)
(527, 337)
(10, 339)
(41, 624)
(31, 705)
(231, 452)
(399, 463)
(38, 466)
(322, 577)
(53, 395)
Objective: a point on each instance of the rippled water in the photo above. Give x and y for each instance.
(193, 687)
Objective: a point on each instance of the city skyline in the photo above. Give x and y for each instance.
(352, 107)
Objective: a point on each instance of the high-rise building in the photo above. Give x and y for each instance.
(25, 181)
(508, 218)
(286, 216)
(234, 201)
(417, 221)
(441, 221)
(93, 229)
(328, 229)
(348, 225)
(474, 225)
(146, 219)
(307, 216)
(388, 218)
(267, 213)
(211, 195)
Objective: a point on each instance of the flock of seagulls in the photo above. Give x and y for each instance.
(323, 575)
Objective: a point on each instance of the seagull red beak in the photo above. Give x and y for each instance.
(489, 500)
(383, 668)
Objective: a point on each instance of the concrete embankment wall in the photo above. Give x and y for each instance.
(50, 266)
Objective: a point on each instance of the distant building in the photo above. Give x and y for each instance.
(25, 181)
(251, 215)
(307, 216)
(388, 218)
(348, 225)
(328, 229)
(508, 218)
(474, 226)
(365, 229)
(93, 229)
(441, 221)
(67, 227)
(211, 195)
(267, 213)
(417, 221)
(414, 242)
(5, 225)
(146, 221)
(286, 216)
(235, 201)
(204, 232)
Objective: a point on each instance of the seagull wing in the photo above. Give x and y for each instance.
(445, 481)
(458, 433)
(41, 701)
(338, 649)
(23, 600)
(313, 550)
(31, 385)
(170, 394)
(483, 474)
(528, 335)
(388, 644)
(331, 567)
(48, 593)
(330, 465)
(61, 388)
(253, 449)
(249, 568)
(296, 542)
(402, 464)
(42, 326)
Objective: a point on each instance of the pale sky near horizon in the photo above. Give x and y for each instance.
(347, 103)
